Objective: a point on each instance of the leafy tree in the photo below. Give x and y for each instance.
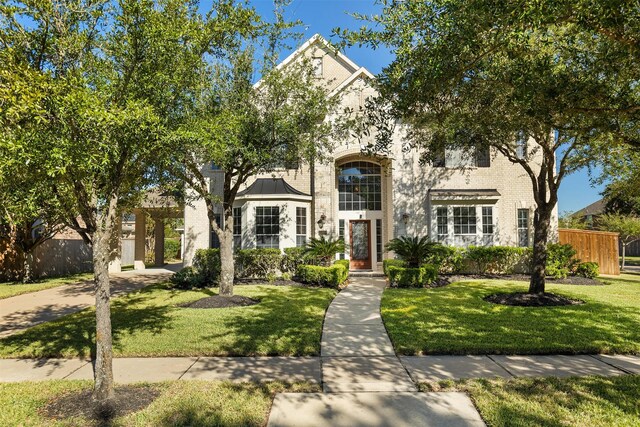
(104, 83)
(569, 220)
(627, 226)
(622, 174)
(540, 82)
(246, 129)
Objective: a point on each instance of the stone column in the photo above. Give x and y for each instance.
(140, 236)
(115, 256)
(159, 244)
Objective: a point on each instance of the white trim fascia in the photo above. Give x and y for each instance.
(350, 80)
(315, 38)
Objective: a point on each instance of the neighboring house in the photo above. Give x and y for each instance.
(589, 214)
(484, 200)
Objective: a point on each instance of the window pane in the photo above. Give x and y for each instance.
(487, 220)
(523, 227)
(464, 220)
(359, 186)
(379, 240)
(301, 226)
(268, 227)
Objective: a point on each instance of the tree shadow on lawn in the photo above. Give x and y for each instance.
(517, 400)
(287, 321)
(74, 335)
(456, 320)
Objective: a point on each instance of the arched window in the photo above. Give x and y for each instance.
(360, 186)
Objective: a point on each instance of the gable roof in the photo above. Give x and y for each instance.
(270, 186)
(361, 72)
(595, 208)
(315, 39)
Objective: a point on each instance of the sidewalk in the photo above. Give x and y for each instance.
(27, 310)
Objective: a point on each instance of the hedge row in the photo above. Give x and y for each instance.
(332, 276)
(404, 277)
(561, 261)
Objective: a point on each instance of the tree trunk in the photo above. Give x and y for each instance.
(227, 270)
(27, 267)
(541, 225)
(103, 394)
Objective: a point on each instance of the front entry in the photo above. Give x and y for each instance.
(360, 232)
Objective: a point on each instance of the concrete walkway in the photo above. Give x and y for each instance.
(153, 369)
(357, 354)
(27, 310)
(365, 381)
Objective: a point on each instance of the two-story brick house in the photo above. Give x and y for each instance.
(462, 201)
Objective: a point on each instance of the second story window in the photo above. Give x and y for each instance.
(360, 187)
(521, 146)
(316, 63)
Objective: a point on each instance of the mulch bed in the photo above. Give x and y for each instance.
(128, 399)
(572, 280)
(276, 282)
(524, 299)
(219, 301)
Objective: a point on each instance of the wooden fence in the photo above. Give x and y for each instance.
(595, 246)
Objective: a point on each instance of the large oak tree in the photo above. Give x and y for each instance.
(561, 75)
(90, 91)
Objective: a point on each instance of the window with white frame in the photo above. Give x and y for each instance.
(487, 220)
(237, 228)
(523, 227)
(317, 67)
(464, 220)
(267, 227)
(301, 226)
(521, 146)
(442, 223)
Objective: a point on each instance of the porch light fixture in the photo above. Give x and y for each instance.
(321, 221)
(405, 218)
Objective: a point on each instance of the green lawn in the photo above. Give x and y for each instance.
(287, 321)
(455, 320)
(11, 289)
(586, 401)
(180, 403)
(631, 260)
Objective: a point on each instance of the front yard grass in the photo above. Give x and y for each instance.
(631, 260)
(585, 401)
(180, 403)
(456, 320)
(287, 321)
(12, 289)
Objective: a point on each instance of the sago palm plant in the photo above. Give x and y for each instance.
(324, 249)
(413, 250)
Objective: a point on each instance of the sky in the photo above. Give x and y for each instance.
(322, 16)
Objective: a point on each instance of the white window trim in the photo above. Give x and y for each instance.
(480, 237)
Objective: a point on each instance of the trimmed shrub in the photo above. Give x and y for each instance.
(561, 260)
(590, 270)
(294, 257)
(331, 277)
(259, 263)
(495, 259)
(344, 262)
(391, 262)
(404, 277)
(207, 263)
(188, 278)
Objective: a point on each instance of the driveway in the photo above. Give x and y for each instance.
(24, 311)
